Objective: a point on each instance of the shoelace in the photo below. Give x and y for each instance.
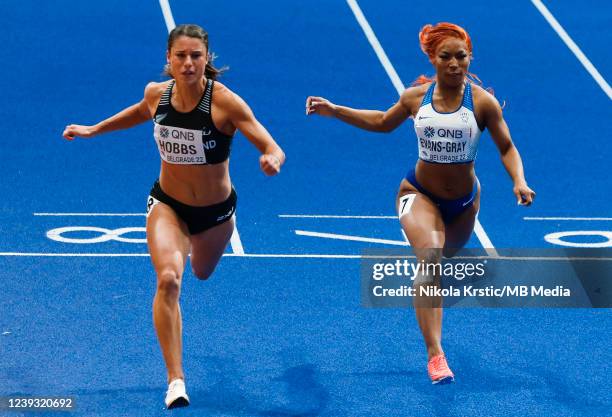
(438, 364)
(173, 385)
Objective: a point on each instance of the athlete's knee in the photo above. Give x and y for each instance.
(429, 255)
(429, 260)
(202, 272)
(168, 283)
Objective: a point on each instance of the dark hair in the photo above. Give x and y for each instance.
(194, 31)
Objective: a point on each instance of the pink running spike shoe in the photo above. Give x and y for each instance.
(438, 370)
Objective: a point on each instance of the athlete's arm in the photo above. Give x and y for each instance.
(126, 118)
(494, 121)
(242, 117)
(373, 120)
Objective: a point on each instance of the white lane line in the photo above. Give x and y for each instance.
(570, 218)
(380, 52)
(399, 86)
(484, 239)
(352, 238)
(90, 214)
(316, 256)
(167, 12)
(332, 216)
(573, 47)
(68, 255)
(235, 241)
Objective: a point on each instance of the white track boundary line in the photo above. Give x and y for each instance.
(351, 238)
(310, 256)
(399, 86)
(380, 52)
(91, 214)
(570, 218)
(235, 241)
(573, 47)
(167, 12)
(332, 216)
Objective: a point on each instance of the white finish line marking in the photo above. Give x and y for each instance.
(235, 241)
(91, 214)
(311, 256)
(331, 216)
(570, 218)
(352, 238)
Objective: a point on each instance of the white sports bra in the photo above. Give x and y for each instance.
(447, 138)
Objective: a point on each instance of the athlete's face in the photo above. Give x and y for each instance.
(187, 59)
(451, 61)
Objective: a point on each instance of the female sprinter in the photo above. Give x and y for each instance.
(190, 208)
(439, 199)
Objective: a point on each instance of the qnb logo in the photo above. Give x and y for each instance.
(164, 132)
(429, 132)
(450, 133)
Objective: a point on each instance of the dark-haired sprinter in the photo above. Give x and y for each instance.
(191, 207)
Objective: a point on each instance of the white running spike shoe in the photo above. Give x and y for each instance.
(176, 396)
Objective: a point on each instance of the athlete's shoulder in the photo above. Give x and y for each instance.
(222, 92)
(226, 98)
(483, 97)
(154, 90)
(416, 91)
(412, 97)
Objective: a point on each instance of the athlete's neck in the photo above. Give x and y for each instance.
(448, 91)
(185, 95)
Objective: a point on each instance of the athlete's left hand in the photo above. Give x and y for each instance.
(524, 194)
(270, 164)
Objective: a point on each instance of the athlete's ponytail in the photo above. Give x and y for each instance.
(195, 31)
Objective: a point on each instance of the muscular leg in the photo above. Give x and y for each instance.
(208, 247)
(425, 231)
(459, 231)
(168, 240)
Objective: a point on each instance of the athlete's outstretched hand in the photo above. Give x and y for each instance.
(524, 194)
(320, 106)
(72, 131)
(270, 164)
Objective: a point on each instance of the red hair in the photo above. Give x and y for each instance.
(430, 37)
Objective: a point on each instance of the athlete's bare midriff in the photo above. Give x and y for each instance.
(447, 181)
(196, 185)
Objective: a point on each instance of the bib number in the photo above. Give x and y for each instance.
(405, 203)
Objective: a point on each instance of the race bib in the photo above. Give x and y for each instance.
(151, 202)
(444, 145)
(180, 146)
(405, 203)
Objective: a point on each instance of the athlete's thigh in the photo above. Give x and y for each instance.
(208, 246)
(458, 232)
(420, 219)
(167, 238)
